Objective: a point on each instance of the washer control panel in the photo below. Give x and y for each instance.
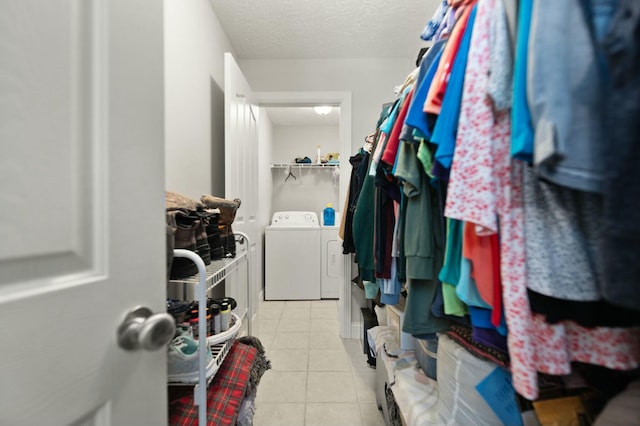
(295, 218)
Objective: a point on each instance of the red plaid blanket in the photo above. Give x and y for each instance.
(224, 396)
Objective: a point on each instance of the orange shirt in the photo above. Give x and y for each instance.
(433, 102)
(478, 249)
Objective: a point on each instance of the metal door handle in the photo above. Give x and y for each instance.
(141, 329)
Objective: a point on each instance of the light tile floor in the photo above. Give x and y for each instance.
(317, 378)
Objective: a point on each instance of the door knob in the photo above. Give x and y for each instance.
(141, 329)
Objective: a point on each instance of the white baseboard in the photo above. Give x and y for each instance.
(356, 330)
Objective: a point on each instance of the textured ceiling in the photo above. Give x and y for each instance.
(302, 29)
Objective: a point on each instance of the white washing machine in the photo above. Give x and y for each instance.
(293, 256)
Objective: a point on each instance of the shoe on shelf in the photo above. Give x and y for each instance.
(178, 309)
(183, 329)
(183, 360)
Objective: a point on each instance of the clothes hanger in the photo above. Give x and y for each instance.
(290, 175)
(368, 142)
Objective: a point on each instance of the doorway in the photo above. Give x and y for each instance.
(342, 101)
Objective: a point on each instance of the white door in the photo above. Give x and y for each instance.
(82, 237)
(241, 165)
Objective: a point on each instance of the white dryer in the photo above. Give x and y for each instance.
(293, 256)
(332, 262)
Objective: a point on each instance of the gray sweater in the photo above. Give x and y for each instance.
(565, 91)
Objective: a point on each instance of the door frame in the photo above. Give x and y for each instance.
(343, 101)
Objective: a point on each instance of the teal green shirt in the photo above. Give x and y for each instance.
(423, 244)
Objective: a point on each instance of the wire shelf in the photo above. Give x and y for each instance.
(216, 272)
(305, 166)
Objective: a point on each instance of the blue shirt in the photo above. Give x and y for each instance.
(446, 128)
(521, 127)
(416, 117)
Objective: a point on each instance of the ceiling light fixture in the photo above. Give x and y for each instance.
(322, 110)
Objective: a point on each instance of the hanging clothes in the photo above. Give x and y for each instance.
(621, 111)
(563, 342)
(567, 224)
(524, 250)
(423, 244)
(470, 188)
(433, 102)
(434, 23)
(500, 87)
(450, 272)
(484, 254)
(358, 172)
(391, 149)
(446, 127)
(416, 118)
(472, 197)
(521, 127)
(564, 91)
(511, 11)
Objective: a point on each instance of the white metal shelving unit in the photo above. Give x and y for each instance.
(205, 280)
(290, 168)
(305, 166)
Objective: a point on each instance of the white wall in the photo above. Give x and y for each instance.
(194, 98)
(313, 188)
(370, 81)
(310, 191)
(300, 141)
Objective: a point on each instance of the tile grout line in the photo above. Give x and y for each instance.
(353, 375)
(342, 349)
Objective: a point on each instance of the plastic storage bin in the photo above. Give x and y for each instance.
(427, 356)
(395, 318)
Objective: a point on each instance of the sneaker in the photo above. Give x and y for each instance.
(183, 360)
(184, 329)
